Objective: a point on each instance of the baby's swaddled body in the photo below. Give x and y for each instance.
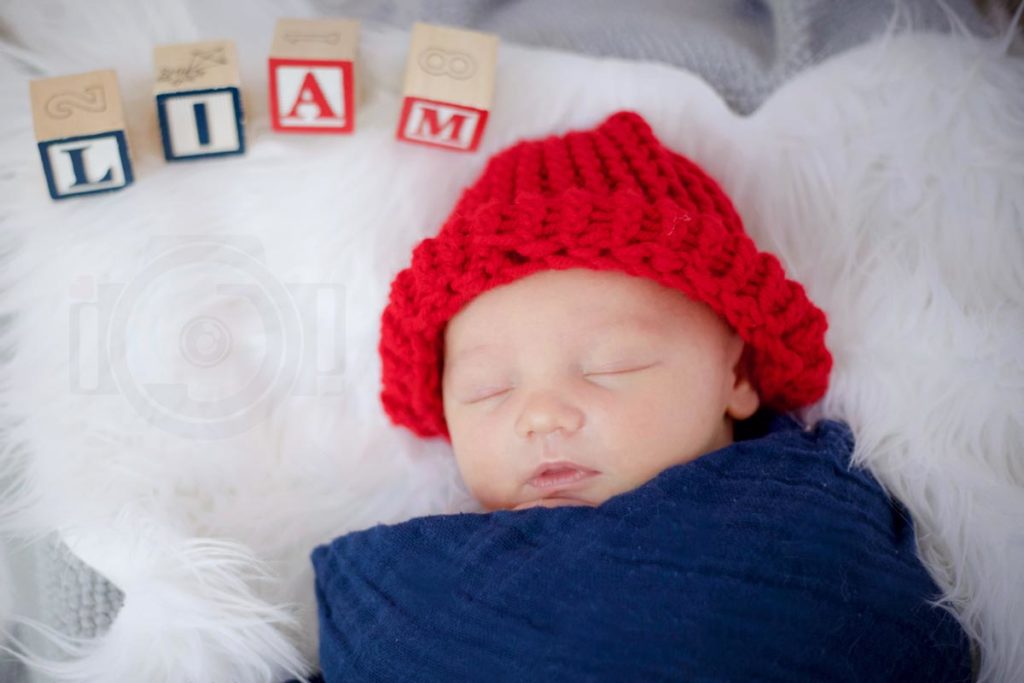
(769, 559)
(615, 363)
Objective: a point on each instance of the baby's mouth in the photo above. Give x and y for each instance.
(560, 478)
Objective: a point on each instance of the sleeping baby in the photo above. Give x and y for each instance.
(593, 330)
(568, 387)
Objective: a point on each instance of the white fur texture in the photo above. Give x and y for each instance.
(888, 180)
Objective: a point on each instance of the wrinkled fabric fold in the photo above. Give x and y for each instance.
(771, 558)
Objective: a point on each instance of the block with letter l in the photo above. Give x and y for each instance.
(449, 86)
(199, 100)
(313, 76)
(79, 126)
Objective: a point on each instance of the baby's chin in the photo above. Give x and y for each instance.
(552, 502)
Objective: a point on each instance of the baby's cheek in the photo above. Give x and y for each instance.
(488, 485)
(632, 419)
(640, 442)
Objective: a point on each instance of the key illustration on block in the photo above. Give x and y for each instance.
(80, 129)
(329, 38)
(312, 75)
(199, 100)
(449, 86)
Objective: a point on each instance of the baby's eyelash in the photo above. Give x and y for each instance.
(610, 372)
(620, 372)
(491, 395)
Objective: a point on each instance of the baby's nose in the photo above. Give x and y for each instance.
(544, 414)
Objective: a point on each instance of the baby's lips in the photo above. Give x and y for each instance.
(561, 477)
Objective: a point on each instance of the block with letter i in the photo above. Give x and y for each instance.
(312, 75)
(199, 100)
(79, 125)
(449, 86)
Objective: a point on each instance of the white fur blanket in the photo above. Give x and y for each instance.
(198, 478)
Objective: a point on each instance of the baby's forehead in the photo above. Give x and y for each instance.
(583, 331)
(576, 295)
(576, 306)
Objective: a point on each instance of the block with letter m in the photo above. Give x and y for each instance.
(441, 124)
(449, 86)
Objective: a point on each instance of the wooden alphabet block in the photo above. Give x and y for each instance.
(199, 100)
(312, 75)
(79, 125)
(449, 86)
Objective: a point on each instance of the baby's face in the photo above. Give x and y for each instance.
(617, 374)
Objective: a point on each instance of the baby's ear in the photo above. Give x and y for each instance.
(743, 399)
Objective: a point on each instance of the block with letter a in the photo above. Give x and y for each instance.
(80, 129)
(449, 86)
(312, 75)
(199, 100)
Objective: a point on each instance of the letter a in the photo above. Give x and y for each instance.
(310, 93)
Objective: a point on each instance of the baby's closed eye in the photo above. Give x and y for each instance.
(620, 368)
(487, 391)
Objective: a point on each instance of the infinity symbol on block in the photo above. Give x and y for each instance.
(439, 62)
(63, 105)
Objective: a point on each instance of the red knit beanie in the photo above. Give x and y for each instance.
(611, 198)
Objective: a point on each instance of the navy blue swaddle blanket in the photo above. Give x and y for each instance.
(768, 559)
